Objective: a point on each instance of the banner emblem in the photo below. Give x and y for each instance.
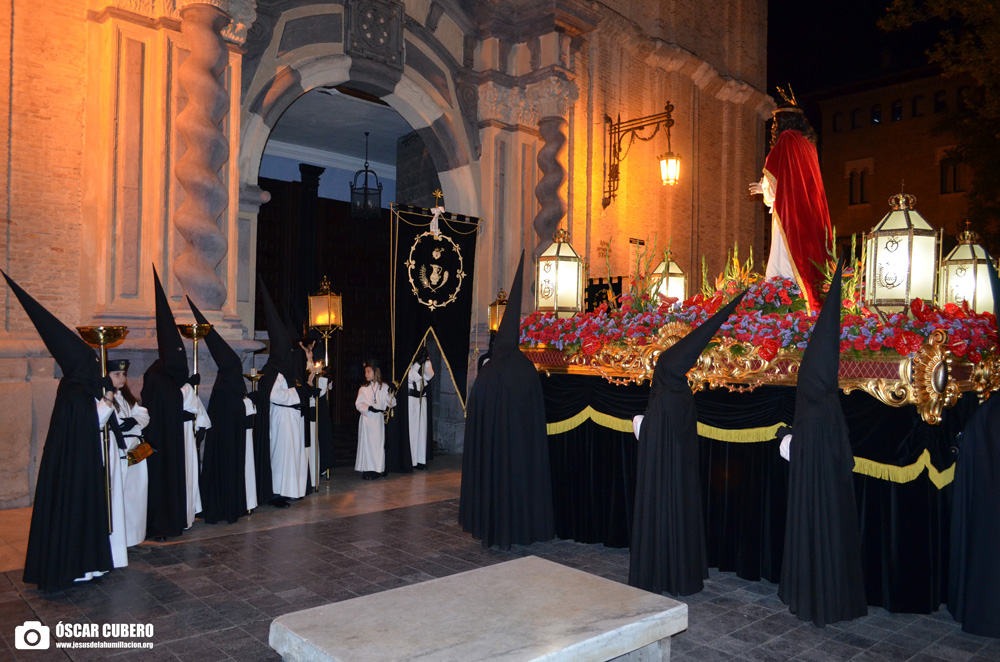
(435, 269)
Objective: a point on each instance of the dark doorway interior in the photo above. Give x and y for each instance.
(302, 237)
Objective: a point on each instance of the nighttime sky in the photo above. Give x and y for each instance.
(817, 45)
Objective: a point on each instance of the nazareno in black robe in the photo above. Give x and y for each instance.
(667, 550)
(506, 495)
(223, 481)
(166, 505)
(974, 563)
(69, 519)
(821, 574)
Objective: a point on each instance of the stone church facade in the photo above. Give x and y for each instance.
(134, 131)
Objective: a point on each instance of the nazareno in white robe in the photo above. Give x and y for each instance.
(192, 404)
(323, 384)
(119, 552)
(417, 410)
(288, 443)
(371, 427)
(249, 468)
(137, 475)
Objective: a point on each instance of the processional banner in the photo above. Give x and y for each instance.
(433, 267)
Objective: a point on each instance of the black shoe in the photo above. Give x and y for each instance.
(384, 474)
(280, 502)
(421, 467)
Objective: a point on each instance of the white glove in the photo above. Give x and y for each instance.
(785, 449)
(636, 424)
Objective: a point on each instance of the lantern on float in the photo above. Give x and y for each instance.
(559, 278)
(964, 274)
(668, 280)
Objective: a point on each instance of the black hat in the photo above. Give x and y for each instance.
(117, 365)
(168, 338)
(817, 378)
(508, 336)
(230, 368)
(77, 360)
(673, 364)
(279, 355)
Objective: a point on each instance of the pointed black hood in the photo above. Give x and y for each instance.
(279, 355)
(78, 361)
(818, 373)
(168, 339)
(673, 364)
(508, 336)
(230, 368)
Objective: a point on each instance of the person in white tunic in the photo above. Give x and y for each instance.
(119, 550)
(289, 465)
(374, 399)
(419, 374)
(132, 418)
(324, 386)
(197, 419)
(249, 468)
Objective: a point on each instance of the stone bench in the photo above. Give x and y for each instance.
(526, 609)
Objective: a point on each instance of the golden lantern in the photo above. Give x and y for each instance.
(559, 278)
(964, 274)
(670, 168)
(668, 280)
(325, 315)
(496, 310)
(902, 253)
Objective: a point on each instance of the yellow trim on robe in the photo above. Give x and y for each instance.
(862, 465)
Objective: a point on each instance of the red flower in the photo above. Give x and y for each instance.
(590, 345)
(908, 342)
(769, 349)
(921, 311)
(958, 346)
(859, 343)
(974, 356)
(874, 345)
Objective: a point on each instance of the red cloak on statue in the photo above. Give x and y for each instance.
(800, 209)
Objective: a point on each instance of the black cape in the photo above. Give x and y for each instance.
(974, 567)
(166, 505)
(222, 481)
(506, 495)
(667, 550)
(821, 575)
(69, 519)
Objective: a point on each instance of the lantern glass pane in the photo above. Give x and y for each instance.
(922, 271)
(567, 285)
(888, 270)
(670, 169)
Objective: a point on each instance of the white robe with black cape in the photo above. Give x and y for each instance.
(667, 550)
(506, 495)
(822, 579)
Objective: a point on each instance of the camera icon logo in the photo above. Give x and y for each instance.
(31, 636)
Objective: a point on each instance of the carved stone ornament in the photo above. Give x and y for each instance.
(242, 12)
(507, 105)
(552, 97)
(375, 31)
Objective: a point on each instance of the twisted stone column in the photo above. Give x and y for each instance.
(551, 205)
(207, 151)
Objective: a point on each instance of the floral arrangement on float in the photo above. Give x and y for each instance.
(926, 358)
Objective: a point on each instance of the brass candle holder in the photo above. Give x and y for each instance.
(194, 333)
(103, 337)
(253, 377)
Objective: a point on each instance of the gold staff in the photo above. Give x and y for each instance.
(103, 337)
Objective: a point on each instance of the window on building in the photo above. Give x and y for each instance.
(963, 98)
(940, 101)
(863, 187)
(917, 109)
(856, 118)
(852, 188)
(838, 122)
(877, 114)
(953, 175)
(897, 110)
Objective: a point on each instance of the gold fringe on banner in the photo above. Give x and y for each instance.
(862, 465)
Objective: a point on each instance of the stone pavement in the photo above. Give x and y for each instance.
(212, 594)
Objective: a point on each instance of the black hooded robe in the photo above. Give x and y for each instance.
(69, 530)
(668, 549)
(974, 567)
(506, 494)
(822, 579)
(223, 479)
(166, 506)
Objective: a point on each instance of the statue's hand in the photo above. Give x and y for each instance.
(755, 188)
